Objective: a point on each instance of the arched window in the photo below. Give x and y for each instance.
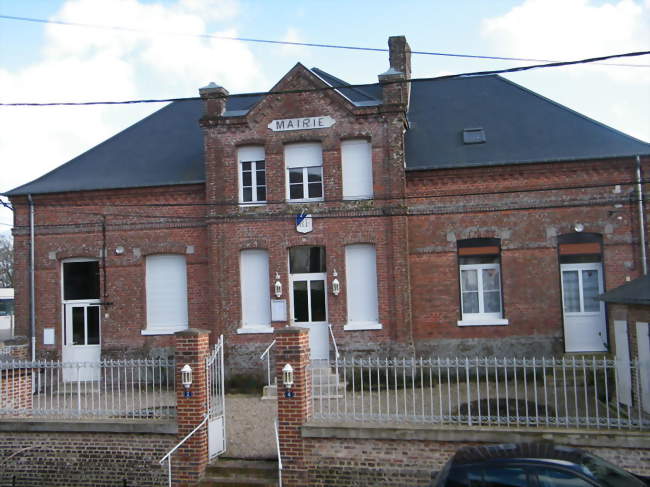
(166, 285)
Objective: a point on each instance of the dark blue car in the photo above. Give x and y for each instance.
(531, 465)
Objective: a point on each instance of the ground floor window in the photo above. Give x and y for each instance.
(166, 288)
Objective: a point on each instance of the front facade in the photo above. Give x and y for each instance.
(453, 217)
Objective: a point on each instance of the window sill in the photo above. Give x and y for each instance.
(362, 325)
(311, 200)
(484, 322)
(254, 329)
(163, 331)
(245, 204)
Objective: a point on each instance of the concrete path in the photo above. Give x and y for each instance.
(249, 427)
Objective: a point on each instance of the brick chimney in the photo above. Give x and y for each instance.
(396, 91)
(214, 97)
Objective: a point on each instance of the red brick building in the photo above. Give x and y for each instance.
(452, 216)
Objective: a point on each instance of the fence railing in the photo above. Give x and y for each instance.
(578, 393)
(109, 389)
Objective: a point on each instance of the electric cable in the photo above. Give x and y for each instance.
(286, 43)
(330, 87)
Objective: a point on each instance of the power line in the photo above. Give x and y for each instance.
(377, 197)
(286, 43)
(337, 87)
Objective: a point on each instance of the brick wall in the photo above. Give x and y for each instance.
(333, 460)
(83, 459)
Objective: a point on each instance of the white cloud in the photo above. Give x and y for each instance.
(80, 64)
(293, 35)
(577, 29)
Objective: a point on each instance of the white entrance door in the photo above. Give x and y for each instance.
(81, 346)
(309, 309)
(584, 314)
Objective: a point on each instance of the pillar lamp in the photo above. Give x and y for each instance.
(186, 380)
(287, 380)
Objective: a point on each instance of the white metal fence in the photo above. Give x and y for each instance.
(110, 389)
(578, 393)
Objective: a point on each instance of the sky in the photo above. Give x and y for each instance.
(164, 53)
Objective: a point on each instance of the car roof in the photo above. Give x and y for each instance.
(536, 452)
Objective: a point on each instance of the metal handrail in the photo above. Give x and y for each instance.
(336, 349)
(277, 445)
(268, 361)
(171, 452)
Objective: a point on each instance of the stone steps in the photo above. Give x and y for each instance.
(241, 473)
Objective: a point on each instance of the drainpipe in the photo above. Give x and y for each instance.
(639, 188)
(32, 284)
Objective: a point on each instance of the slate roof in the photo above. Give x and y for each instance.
(520, 126)
(633, 292)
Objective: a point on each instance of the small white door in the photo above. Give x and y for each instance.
(81, 346)
(584, 313)
(643, 347)
(309, 310)
(623, 375)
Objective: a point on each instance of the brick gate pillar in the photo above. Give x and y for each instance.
(292, 347)
(190, 460)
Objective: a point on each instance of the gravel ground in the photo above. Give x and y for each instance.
(249, 426)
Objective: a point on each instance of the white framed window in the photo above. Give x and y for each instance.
(304, 167)
(361, 287)
(255, 294)
(252, 174)
(481, 300)
(166, 289)
(356, 162)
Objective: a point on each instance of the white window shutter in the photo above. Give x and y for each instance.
(256, 299)
(361, 283)
(166, 282)
(356, 161)
(309, 154)
(250, 153)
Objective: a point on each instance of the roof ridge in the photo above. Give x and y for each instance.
(347, 85)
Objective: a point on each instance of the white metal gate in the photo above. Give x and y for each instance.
(216, 402)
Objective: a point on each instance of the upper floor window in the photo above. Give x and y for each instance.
(479, 263)
(304, 163)
(252, 174)
(356, 161)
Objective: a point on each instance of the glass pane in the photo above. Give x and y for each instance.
(300, 303)
(81, 280)
(306, 259)
(260, 165)
(317, 300)
(571, 291)
(553, 478)
(78, 337)
(261, 178)
(469, 280)
(491, 279)
(247, 194)
(505, 477)
(470, 302)
(261, 193)
(492, 302)
(246, 166)
(295, 175)
(295, 191)
(314, 174)
(246, 179)
(93, 325)
(315, 190)
(590, 290)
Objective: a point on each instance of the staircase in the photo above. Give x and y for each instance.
(225, 472)
(325, 385)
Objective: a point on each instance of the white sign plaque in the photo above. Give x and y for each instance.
(308, 123)
(304, 223)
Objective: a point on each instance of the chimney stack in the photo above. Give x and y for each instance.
(395, 87)
(215, 98)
